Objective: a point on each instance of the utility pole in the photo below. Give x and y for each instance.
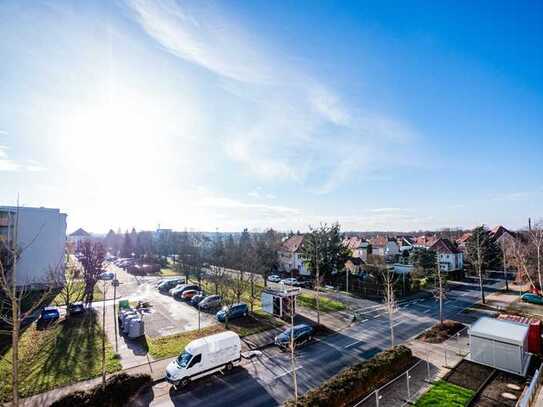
(504, 259)
(317, 299)
(104, 337)
(115, 283)
(292, 355)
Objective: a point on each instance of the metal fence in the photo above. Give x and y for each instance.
(530, 393)
(412, 383)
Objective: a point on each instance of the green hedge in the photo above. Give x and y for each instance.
(356, 381)
(117, 392)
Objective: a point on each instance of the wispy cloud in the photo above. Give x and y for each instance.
(5, 163)
(285, 124)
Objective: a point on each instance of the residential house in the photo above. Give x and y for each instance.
(425, 241)
(78, 236)
(461, 241)
(449, 256)
(501, 235)
(384, 246)
(41, 235)
(354, 265)
(359, 247)
(290, 256)
(405, 243)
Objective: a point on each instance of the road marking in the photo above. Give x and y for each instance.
(427, 311)
(364, 320)
(287, 372)
(352, 344)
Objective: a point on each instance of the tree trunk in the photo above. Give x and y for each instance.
(15, 351)
(104, 338)
(539, 267)
(481, 287)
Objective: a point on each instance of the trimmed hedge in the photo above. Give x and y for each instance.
(117, 392)
(354, 382)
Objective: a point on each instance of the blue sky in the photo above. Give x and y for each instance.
(258, 114)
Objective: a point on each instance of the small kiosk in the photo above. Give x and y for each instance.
(280, 303)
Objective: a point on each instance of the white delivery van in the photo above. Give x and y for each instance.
(203, 357)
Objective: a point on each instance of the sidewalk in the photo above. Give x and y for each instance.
(156, 369)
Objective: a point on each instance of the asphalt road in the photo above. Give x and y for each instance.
(267, 380)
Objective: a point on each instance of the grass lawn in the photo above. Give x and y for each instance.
(167, 346)
(325, 304)
(80, 286)
(168, 272)
(446, 395)
(66, 352)
(172, 345)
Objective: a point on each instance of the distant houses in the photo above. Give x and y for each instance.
(450, 257)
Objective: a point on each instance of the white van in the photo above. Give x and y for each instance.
(203, 357)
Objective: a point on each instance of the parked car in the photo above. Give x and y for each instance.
(210, 302)
(290, 281)
(166, 285)
(188, 294)
(532, 298)
(48, 315)
(302, 334)
(178, 292)
(178, 287)
(274, 278)
(107, 275)
(205, 356)
(197, 299)
(77, 308)
(234, 311)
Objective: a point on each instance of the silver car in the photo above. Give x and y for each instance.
(211, 302)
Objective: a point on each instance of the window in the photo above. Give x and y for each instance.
(195, 360)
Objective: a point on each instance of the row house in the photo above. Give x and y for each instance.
(384, 246)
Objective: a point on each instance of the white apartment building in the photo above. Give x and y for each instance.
(41, 237)
(449, 256)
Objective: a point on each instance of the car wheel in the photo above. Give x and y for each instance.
(229, 366)
(244, 314)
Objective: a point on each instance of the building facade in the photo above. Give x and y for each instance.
(290, 258)
(40, 235)
(450, 257)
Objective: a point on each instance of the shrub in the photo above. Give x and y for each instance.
(116, 393)
(354, 382)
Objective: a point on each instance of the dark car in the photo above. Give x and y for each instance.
(165, 286)
(235, 311)
(197, 299)
(76, 309)
(48, 315)
(302, 334)
(210, 302)
(178, 294)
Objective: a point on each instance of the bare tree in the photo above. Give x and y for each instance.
(92, 260)
(292, 346)
(20, 301)
(521, 259)
(71, 291)
(535, 235)
(389, 297)
(440, 290)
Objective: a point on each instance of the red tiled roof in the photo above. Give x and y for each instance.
(426, 241)
(442, 245)
(379, 241)
(464, 238)
(293, 243)
(353, 242)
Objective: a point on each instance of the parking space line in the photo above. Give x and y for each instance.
(427, 311)
(352, 344)
(287, 372)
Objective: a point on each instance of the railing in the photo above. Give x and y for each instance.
(409, 386)
(528, 396)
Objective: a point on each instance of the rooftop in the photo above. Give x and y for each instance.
(500, 330)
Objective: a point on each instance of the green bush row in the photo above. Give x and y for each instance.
(117, 392)
(354, 382)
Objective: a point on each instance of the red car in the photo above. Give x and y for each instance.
(188, 294)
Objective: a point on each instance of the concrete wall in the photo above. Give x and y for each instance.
(41, 235)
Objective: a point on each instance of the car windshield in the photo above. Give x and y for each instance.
(184, 359)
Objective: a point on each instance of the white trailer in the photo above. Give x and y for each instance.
(203, 357)
(501, 344)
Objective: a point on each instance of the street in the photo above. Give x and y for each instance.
(267, 380)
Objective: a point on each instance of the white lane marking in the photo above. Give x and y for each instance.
(427, 311)
(364, 320)
(352, 344)
(287, 372)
